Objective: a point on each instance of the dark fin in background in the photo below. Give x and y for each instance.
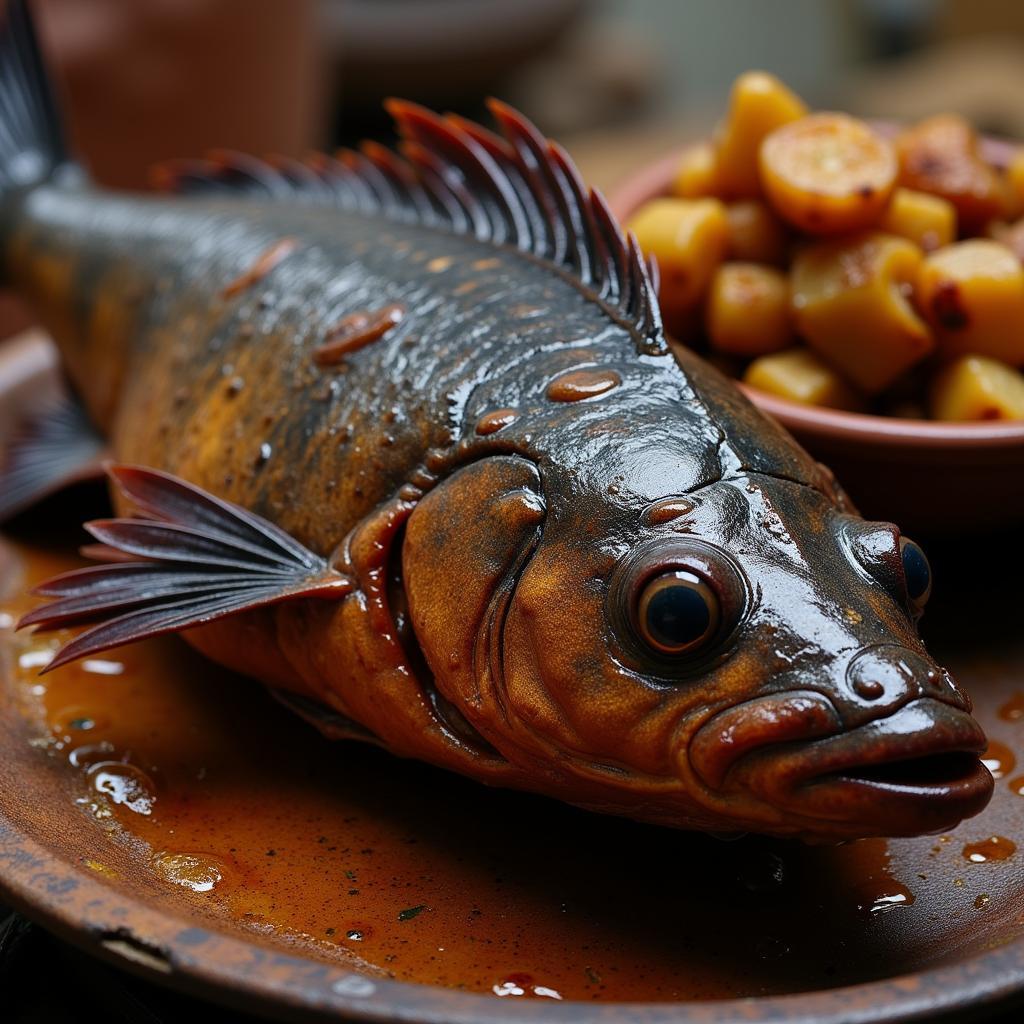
(517, 188)
(197, 559)
(52, 449)
(31, 142)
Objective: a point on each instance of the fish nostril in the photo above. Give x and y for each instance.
(869, 689)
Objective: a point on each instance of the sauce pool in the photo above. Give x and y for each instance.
(349, 853)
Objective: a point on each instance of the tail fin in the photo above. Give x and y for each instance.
(31, 142)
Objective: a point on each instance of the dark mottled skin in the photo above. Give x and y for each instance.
(516, 542)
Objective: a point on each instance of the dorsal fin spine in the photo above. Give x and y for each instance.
(517, 189)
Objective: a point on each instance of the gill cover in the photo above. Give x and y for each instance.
(464, 546)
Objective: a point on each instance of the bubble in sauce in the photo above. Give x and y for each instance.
(993, 848)
(90, 753)
(999, 759)
(124, 785)
(194, 871)
(524, 985)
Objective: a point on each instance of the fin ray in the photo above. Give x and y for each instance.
(203, 559)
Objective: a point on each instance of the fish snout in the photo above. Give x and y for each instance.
(881, 679)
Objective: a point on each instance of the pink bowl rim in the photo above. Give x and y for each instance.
(651, 182)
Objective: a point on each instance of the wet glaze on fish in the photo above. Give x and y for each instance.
(401, 436)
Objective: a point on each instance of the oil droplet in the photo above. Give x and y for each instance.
(579, 384)
(524, 985)
(123, 784)
(102, 667)
(492, 422)
(355, 935)
(72, 721)
(1013, 709)
(189, 870)
(982, 901)
(999, 759)
(40, 657)
(1017, 786)
(993, 848)
(899, 896)
(354, 331)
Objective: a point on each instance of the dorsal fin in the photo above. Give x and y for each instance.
(517, 188)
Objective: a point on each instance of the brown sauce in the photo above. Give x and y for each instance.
(999, 759)
(575, 385)
(1013, 709)
(492, 422)
(355, 331)
(225, 795)
(259, 270)
(993, 848)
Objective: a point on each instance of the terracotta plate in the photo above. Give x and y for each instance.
(176, 820)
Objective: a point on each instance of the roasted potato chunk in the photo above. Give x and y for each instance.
(927, 221)
(828, 173)
(747, 310)
(697, 173)
(801, 376)
(850, 303)
(759, 104)
(756, 235)
(940, 156)
(973, 295)
(977, 388)
(689, 238)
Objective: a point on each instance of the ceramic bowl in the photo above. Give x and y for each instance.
(926, 476)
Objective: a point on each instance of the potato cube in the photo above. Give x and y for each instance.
(940, 155)
(688, 237)
(697, 173)
(851, 304)
(748, 310)
(801, 376)
(927, 221)
(828, 173)
(759, 104)
(977, 388)
(756, 235)
(973, 294)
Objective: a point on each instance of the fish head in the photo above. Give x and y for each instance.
(742, 656)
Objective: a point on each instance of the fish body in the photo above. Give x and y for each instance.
(450, 490)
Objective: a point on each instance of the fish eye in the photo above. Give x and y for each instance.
(677, 612)
(917, 573)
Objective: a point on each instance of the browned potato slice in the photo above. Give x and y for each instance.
(688, 237)
(801, 376)
(828, 173)
(748, 310)
(973, 294)
(697, 173)
(940, 156)
(850, 301)
(927, 221)
(759, 104)
(977, 388)
(756, 235)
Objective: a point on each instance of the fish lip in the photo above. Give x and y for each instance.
(912, 772)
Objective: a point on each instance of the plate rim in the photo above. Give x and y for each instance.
(232, 971)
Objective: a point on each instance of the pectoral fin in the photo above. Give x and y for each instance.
(196, 559)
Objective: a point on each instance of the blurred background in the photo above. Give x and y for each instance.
(618, 81)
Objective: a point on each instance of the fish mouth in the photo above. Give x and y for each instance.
(914, 772)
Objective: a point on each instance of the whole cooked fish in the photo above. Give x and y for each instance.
(401, 436)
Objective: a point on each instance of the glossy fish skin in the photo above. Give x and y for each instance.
(490, 627)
